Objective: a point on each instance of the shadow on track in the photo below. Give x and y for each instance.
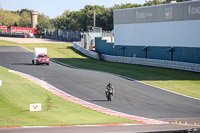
(27, 64)
(98, 100)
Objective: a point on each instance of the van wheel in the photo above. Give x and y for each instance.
(33, 62)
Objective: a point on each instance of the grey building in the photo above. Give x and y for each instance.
(164, 32)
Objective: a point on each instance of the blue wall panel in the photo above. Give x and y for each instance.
(118, 51)
(103, 47)
(97, 45)
(187, 54)
(182, 54)
(154, 52)
(136, 51)
(109, 49)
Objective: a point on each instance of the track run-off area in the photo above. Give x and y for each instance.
(131, 97)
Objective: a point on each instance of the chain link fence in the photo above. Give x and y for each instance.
(64, 35)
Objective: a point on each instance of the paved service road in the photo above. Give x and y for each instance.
(131, 97)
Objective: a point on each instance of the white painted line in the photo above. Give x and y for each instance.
(89, 125)
(129, 124)
(168, 90)
(78, 101)
(139, 82)
(0, 83)
(26, 48)
(35, 126)
(154, 86)
(129, 79)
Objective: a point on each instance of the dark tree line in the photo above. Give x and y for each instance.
(71, 20)
(79, 20)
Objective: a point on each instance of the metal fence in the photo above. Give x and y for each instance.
(107, 34)
(64, 35)
(88, 53)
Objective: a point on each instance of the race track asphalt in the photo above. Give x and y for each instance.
(131, 97)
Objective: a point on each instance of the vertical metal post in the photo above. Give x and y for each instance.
(94, 19)
(146, 53)
(172, 55)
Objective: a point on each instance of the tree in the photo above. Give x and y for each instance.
(25, 19)
(60, 22)
(16, 24)
(8, 18)
(127, 5)
(71, 20)
(153, 2)
(79, 20)
(42, 26)
(43, 23)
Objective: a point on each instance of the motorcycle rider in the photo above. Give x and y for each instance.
(109, 86)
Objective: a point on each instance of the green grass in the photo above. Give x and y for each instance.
(17, 93)
(184, 82)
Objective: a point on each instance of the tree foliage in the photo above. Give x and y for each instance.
(7, 18)
(24, 19)
(153, 2)
(43, 23)
(21, 18)
(71, 20)
(79, 20)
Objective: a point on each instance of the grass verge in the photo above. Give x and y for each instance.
(183, 82)
(17, 93)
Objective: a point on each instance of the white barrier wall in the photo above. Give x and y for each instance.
(161, 25)
(171, 33)
(153, 62)
(88, 53)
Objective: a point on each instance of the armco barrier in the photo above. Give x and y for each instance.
(153, 62)
(91, 54)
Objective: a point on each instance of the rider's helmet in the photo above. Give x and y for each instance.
(109, 84)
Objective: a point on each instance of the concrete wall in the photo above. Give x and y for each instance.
(153, 62)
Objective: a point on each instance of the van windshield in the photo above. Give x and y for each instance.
(42, 56)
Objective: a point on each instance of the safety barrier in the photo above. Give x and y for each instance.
(141, 61)
(19, 35)
(184, 123)
(153, 62)
(91, 54)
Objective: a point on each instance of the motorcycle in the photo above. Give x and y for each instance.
(109, 94)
